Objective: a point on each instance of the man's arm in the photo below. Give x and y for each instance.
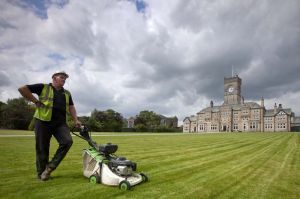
(74, 115)
(27, 94)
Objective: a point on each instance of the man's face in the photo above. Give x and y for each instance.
(60, 80)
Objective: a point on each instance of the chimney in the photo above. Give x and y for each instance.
(211, 104)
(280, 106)
(275, 108)
(262, 102)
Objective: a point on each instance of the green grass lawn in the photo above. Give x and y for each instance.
(222, 165)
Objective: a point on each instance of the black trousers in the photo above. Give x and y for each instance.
(43, 134)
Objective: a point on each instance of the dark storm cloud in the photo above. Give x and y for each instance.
(245, 32)
(4, 79)
(167, 56)
(4, 25)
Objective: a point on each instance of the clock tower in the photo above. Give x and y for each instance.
(232, 90)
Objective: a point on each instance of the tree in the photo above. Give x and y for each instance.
(94, 125)
(94, 122)
(140, 128)
(2, 119)
(149, 119)
(16, 114)
(114, 121)
(109, 120)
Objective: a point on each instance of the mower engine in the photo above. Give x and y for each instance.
(121, 166)
(124, 171)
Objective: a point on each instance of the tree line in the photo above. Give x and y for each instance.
(18, 114)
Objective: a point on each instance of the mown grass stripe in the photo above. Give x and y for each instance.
(262, 171)
(237, 165)
(181, 174)
(227, 152)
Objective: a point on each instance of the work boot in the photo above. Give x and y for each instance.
(46, 173)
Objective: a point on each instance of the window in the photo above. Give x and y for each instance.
(201, 127)
(245, 118)
(245, 111)
(213, 127)
(235, 117)
(256, 117)
(253, 125)
(201, 116)
(268, 119)
(245, 126)
(235, 126)
(268, 126)
(281, 125)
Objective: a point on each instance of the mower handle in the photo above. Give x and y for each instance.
(87, 138)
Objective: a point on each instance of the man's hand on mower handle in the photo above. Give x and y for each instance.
(39, 104)
(78, 124)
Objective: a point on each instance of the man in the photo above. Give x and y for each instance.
(52, 106)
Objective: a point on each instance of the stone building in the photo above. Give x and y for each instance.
(170, 122)
(130, 122)
(295, 125)
(236, 115)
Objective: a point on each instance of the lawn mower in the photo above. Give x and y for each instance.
(101, 165)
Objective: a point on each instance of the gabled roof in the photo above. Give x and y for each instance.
(287, 111)
(270, 112)
(187, 118)
(252, 105)
(208, 109)
(191, 118)
(164, 117)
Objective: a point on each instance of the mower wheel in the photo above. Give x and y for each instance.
(94, 179)
(124, 185)
(144, 177)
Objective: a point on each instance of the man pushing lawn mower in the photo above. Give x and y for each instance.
(52, 107)
(101, 165)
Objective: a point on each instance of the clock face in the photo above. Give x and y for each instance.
(230, 89)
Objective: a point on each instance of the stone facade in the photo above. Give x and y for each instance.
(170, 122)
(130, 122)
(236, 115)
(295, 125)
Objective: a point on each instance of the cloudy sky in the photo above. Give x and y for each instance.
(167, 56)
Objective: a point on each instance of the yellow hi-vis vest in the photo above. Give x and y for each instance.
(46, 97)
